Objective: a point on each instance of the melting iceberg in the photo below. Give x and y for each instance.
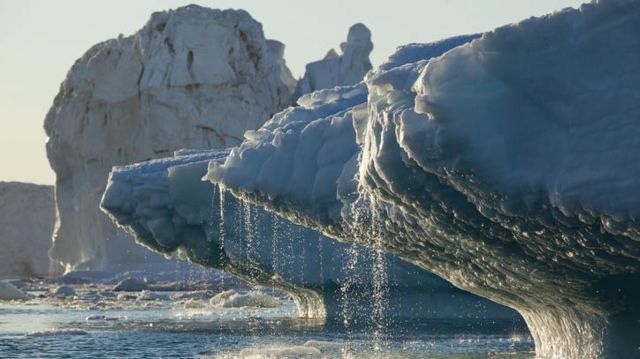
(506, 165)
(169, 209)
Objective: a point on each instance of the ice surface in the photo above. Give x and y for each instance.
(26, 224)
(192, 77)
(506, 166)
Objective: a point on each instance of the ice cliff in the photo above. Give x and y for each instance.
(193, 77)
(347, 68)
(506, 165)
(168, 208)
(26, 224)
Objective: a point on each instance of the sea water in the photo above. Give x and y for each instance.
(96, 322)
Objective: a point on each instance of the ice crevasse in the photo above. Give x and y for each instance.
(506, 166)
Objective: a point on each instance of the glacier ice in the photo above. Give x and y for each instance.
(192, 77)
(168, 208)
(506, 165)
(26, 224)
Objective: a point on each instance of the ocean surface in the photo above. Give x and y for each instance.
(95, 322)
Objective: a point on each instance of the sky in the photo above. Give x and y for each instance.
(40, 40)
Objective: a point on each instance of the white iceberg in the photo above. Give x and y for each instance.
(192, 77)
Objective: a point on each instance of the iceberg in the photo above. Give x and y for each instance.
(26, 224)
(191, 77)
(506, 166)
(167, 207)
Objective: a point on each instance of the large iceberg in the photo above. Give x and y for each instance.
(506, 166)
(192, 77)
(26, 224)
(168, 208)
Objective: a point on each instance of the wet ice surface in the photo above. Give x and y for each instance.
(93, 321)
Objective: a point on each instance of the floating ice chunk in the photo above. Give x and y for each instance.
(63, 291)
(102, 317)
(233, 299)
(130, 285)
(194, 304)
(149, 295)
(9, 292)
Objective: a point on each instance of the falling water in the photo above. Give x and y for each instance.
(380, 285)
(221, 222)
(348, 302)
(275, 247)
(249, 230)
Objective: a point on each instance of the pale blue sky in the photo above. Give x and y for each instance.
(40, 40)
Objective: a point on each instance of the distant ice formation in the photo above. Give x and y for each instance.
(339, 70)
(507, 166)
(26, 224)
(192, 77)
